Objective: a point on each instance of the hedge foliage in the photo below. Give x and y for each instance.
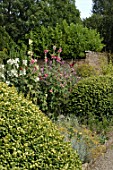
(92, 99)
(74, 39)
(28, 139)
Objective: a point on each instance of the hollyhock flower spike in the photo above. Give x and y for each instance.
(46, 59)
(53, 57)
(58, 59)
(46, 75)
(46, 51)
(33, 61)
(60, 50)
(51, 91)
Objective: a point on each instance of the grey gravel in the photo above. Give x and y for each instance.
(104, 162)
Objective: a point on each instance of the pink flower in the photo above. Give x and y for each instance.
(51, 91)
(46, 75)
(53, 57)
(58, 59)
(61, 85)
(46, 51)
(33, 61)
(60, 50)
(46, 59)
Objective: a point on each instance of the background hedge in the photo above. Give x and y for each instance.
(28, 139)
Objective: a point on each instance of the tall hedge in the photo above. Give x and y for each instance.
(92, 98)
(28, 139)
(74, 39)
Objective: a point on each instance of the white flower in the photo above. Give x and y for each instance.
(2, 76)
(17, 60)
(30, 41)
(25, 62)
(7, 82)
(13, 61)
(37, 79)
(22, 72)
(10, 61)
(1, 66)
(12, 73)
(30, 53)
(17, 65)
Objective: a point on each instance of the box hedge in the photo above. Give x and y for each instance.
(28, 139)
(92, 98)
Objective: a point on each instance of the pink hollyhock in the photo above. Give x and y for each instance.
(51, 91)
(46, 59)
(46, 51)
(45, 75)
(53, 57)
(58, 59)
(60, 50)
(33, 61)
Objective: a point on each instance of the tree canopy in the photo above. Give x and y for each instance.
(21, 16)
(102, 20)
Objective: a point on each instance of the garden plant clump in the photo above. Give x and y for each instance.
(48, 87)
(87, 143)
(28, 139)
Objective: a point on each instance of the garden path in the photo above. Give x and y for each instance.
(105, 161)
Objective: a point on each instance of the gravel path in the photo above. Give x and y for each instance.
(104, 162)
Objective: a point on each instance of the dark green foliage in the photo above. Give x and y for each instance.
(28, 139)
(20, 17)
(6, 43)
(102, 20)
(92, 100)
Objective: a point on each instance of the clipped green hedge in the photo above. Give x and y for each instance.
(28, 139)
(92, 98)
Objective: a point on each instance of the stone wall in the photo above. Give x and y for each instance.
(96, 59)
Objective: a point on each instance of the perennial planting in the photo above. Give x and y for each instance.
(48, 86)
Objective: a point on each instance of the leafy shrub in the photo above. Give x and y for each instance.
(107, 69)
(92, 101)
(85, 70)
(74, 39)
(28, 139)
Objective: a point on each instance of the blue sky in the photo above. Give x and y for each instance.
(85, 7)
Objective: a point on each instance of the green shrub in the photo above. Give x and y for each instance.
(92, 101)
(85, 70)
(28, 139)
(74, 39)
